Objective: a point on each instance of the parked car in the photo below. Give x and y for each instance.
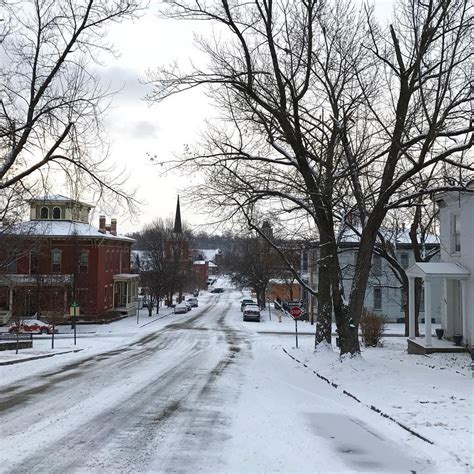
(181, 308)
(217, 290)
(31, 326)
(246, 301)
(251, 313)
(193, 302)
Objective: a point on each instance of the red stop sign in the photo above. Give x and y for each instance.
(296, 312)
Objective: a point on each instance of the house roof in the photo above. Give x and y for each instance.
(57, 198)
(125, 276)
(396, 236)
(60, 228)
(208, 254)
(438, 270)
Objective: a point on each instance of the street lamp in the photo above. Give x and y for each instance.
(138, 310)
(74, 307)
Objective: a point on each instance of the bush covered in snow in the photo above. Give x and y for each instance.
(372, 327)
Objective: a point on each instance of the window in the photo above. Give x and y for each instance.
(377, 265)
(57, 213)
(12, 267)
(422, 299)
(34, 263)
(44, 213)
(84, 261)
(404, 260)
(377, 298)
(455, 233)
(56, 260)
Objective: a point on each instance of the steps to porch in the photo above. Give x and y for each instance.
(419, 346)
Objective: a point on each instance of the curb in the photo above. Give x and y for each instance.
(28, 359)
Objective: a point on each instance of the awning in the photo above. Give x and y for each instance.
(126, 276)
(438, 270)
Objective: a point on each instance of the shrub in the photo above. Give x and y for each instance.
(372, 326)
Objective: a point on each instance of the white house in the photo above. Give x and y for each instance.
(454, 273)
(384, 294)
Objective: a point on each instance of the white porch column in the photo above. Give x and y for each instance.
(10, 299)
(427, 312)
(464, 310)
(126, 299)
(444, 304)
(411, 307)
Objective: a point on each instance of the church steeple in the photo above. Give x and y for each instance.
(178, 228)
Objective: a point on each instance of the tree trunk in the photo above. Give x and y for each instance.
(324, 311)
(350, 341)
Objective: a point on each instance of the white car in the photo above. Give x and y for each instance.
(251, 313)
(181, 308)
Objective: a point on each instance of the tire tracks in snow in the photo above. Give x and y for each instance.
(184, 403)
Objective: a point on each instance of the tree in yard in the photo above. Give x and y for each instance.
(166, 271)
(253, 265)
(157, 274)
(51, 101)
(328, 114)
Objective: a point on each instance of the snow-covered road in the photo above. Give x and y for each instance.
(203, 393)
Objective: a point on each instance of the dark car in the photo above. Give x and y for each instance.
(193, 302)
(217, 290)
(251, 313)
(245, 302)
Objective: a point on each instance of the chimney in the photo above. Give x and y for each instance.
(403, 226)
(113, 226)
(102, 224)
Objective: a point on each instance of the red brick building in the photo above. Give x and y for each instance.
(60, 259)
(201, 274)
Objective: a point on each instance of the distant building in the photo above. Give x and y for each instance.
(64, 262)
(383, 295)
(284, 290)
(206, 263)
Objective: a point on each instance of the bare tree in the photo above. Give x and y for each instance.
(167, 269)
(253, 265)
(327, 114)
(51, 101)
(157, 273)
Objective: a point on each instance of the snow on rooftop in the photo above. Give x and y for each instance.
(60, 228)
(438, 269)
(399, 236)
(209, 254)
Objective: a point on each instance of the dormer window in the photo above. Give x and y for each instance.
(44, 213)
(57, 213)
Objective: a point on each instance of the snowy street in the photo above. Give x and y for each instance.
(204, 392)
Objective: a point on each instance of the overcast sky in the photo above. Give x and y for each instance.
(135, 128)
